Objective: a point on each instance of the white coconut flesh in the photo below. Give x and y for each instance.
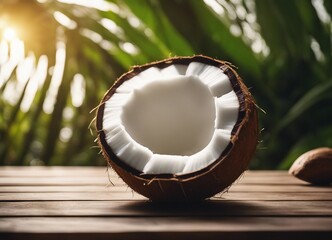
(174, 120)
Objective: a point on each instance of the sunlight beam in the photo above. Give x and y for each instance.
(9, 34)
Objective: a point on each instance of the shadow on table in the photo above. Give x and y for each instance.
(202, 208)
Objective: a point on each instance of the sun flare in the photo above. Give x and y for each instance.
(9, 34)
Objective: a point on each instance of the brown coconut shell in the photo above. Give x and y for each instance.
(213, 179)
(314, 166)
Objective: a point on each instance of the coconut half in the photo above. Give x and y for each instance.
(179, 129)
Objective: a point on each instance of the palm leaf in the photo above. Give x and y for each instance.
(309, 100)
(313, 140)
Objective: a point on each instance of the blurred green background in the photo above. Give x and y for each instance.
(58, 58)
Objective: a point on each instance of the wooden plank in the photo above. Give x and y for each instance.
(74, 189)
(148, 209)
(127, 194)
(55, 171)
(29, 181)
(51, 170)
(165, 228)
(70, 170)
(278, 188)
(104, 179)
(274, 196)
(10, 176)
(101, 172)
(70, 196)
(284, 179)
(225, 235)
(121, 187)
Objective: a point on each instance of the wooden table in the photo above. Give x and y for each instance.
(80, 203)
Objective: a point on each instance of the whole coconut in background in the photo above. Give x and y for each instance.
(314, 166)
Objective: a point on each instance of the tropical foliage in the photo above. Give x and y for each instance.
(57, 59)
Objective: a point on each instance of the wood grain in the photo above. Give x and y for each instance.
(165, 228)
(105, 179)
(80, 203)
(148, 209)
(127, 194)
(298, 188)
